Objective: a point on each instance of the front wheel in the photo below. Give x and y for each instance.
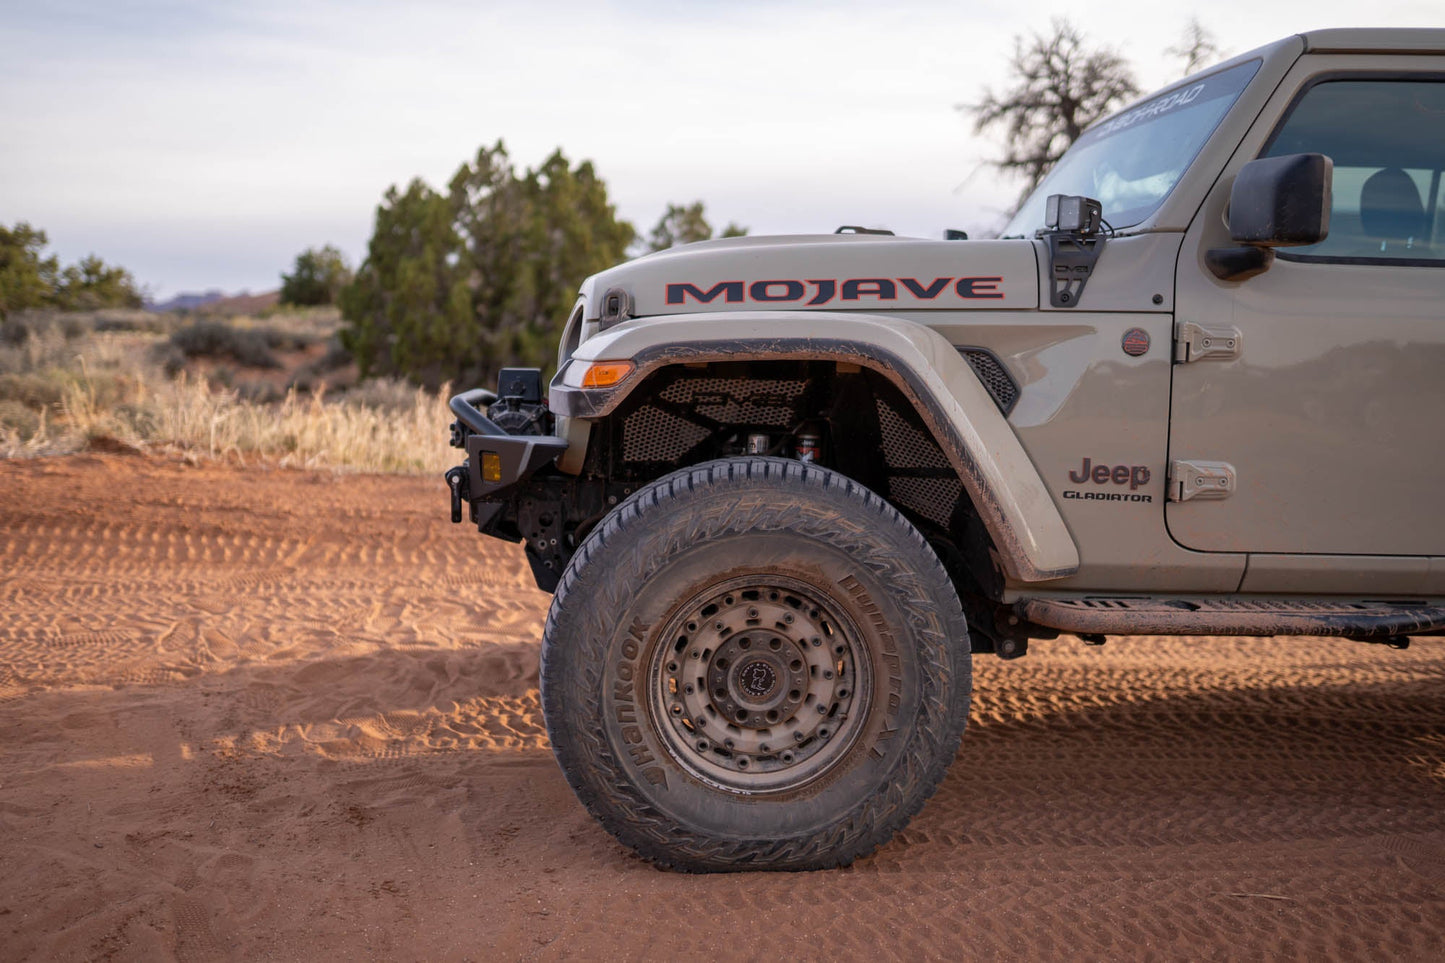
(755, 664)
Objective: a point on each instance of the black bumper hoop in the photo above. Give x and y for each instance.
(517, 456)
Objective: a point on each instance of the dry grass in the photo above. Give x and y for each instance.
(95, 384)
(191, 416)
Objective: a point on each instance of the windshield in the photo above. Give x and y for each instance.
(1130, 162)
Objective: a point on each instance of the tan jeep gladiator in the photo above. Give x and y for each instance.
(784, 487)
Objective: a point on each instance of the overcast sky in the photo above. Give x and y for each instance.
(204, 144)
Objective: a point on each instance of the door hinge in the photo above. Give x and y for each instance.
(1195, 342)
(1200, 479)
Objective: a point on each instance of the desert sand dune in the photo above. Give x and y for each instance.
(254, 714)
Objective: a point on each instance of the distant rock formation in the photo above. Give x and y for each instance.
(218, 302)
(187, 301)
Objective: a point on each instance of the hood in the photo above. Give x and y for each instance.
(830, 272)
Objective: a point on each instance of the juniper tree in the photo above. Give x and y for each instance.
(684, 225)
(458, 285)
(29, 279)
(317, 278)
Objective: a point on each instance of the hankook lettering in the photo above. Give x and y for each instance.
(624, 699)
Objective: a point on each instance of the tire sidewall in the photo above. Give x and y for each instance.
(671, 542)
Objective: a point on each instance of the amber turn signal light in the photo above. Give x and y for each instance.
(491, 466)
(605, 374)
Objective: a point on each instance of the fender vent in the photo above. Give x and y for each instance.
(999, 384)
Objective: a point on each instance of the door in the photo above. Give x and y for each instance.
(1321, 382)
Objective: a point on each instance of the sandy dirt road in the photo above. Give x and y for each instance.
(260, 714)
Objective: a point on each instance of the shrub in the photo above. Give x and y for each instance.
(129, 322)
(318, 277)
(169, 358)
(34, 390)
(18, 418)
(212, 339)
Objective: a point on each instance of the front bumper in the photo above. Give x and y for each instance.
(496, 461)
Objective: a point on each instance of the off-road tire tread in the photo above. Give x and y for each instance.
(592, 576)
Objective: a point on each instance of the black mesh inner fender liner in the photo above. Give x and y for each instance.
(1014, 546)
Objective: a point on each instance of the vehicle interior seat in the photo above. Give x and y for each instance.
(1392, 215)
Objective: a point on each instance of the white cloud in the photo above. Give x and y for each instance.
(204, 145)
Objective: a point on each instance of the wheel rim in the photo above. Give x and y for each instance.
(761, 684)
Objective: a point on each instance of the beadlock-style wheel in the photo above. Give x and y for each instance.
(758, 683)
(754, 664)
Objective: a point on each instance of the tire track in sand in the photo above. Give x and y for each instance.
(312, 705)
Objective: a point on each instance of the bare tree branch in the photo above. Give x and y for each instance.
(1197, 47)
(1060, 87)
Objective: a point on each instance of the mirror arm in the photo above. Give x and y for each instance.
(1238, 263)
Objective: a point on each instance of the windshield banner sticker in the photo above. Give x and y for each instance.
(1226, 84)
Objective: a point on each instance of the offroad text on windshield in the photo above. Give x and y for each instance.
(1131, 161)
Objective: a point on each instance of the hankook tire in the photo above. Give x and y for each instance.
(755, 663)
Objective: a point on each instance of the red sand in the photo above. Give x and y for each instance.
(269, 714)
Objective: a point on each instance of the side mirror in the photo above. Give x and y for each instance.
(1282, 201)
(1275, 202)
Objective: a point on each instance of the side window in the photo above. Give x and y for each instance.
(1387, 140)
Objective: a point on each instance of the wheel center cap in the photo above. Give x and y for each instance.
(757, 679)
